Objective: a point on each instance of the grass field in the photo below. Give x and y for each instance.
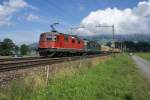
(144, 55)
(114, 79)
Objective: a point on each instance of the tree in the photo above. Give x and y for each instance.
(24, 49)
(16, 50)
(135, 46)
(108, 44)
(7, 47)
(0, 47)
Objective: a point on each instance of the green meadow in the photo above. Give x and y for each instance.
(144, 55)
(113, 79)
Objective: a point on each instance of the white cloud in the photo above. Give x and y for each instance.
(32, 17)
(7, 8)
(127, 21)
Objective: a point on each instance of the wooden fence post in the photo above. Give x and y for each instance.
(47, 73)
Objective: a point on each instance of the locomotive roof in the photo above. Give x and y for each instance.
(66, 35)
(61, 33)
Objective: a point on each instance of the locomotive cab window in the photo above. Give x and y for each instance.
(42, 36)
(49, 39)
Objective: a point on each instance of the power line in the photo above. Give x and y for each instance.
(113, 34)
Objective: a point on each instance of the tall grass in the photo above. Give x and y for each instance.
(114, 79)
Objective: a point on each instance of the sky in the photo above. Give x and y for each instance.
(24, 20)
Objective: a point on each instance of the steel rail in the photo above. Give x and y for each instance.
(9, 66)
(16, 59)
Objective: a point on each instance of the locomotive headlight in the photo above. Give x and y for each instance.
(73, 37)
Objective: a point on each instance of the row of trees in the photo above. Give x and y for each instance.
(8, 47)
(133, 46)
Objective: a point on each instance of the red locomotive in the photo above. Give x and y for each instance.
(52, 43)
(59, 44)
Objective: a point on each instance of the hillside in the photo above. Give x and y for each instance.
(133, 37)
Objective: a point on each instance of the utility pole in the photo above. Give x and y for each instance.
(113, 28)
(113, 42)
(113, 34)
(122, 45)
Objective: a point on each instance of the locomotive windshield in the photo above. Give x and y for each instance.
(51, 38)
(42, 36)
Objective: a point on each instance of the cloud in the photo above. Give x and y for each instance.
(127, 21)
(32, 17)
(7, 8)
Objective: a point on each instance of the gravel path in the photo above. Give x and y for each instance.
(143, 65)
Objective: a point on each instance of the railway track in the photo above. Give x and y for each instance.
(16, 59)
(22, 63)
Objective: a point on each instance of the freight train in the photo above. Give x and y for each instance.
(59, 44)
